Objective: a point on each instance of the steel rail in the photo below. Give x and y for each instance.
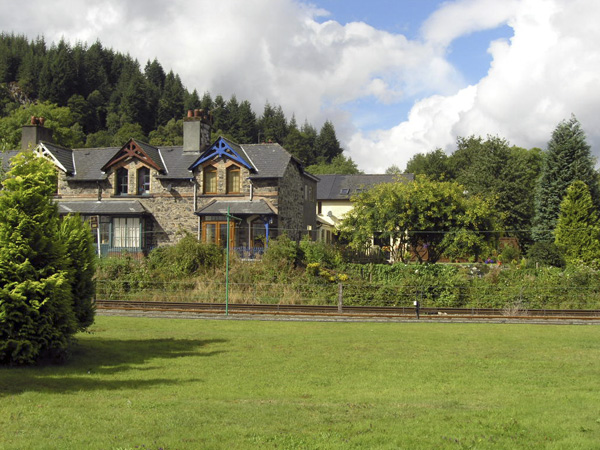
(349, 311)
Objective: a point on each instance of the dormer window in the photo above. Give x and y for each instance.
(122, 181)
(210, 180)
(233, 180)
(143, 181)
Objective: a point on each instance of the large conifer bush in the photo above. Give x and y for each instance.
(37, 317)
(577, 232)
(567, 159)
(81, 267)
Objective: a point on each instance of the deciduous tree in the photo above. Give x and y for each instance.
(430, 218)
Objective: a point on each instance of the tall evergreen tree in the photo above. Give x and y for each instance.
(96, 67)
(220, 117)
(58, 79)
(327, 145)
(155, 74)
(170, 105)
(191, 101)
(206, 103)
(231, 124)
(567, 159)
(246, 124)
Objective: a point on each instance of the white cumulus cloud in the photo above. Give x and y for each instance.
(290, 53)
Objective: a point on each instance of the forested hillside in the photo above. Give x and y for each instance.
(95, 97)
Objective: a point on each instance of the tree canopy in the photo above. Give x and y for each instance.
(425, 219)
(103, 95)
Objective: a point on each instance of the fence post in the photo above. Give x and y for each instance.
(340, 297)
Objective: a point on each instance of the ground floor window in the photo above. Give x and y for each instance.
(259, 233)
(127, 232)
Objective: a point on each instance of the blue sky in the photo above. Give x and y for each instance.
(396, 77)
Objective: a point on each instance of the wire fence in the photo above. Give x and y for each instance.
(519, 298)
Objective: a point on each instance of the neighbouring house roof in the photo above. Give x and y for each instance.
(343, 187)
(112, 207)
(5, 158)
(239, 208)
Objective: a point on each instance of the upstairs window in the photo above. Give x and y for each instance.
(122, 181)
(143, 181)
(210, 180)
(233, 180)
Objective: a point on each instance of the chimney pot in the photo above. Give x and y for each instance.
(190, 113)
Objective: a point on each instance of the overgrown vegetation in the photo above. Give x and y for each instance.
(309, 273)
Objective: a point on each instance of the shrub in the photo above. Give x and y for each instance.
(510, 255)
(320, 252)
(188, 257)
(281, 254)
(545, 254)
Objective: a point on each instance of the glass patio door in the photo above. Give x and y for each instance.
(216, 233)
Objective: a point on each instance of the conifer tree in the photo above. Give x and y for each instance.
(170, 105)
(568, 158)
(327, 145)
(80, 263)
(36, 314)
(246, 124)
(577, 232)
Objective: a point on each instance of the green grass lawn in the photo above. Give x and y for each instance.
(196, 384)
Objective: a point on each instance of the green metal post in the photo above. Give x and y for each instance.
(227, 268)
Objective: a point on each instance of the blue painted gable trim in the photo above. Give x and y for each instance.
(220, 148)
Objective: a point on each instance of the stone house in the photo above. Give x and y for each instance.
(139, 196)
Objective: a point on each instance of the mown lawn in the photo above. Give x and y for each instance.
(197, 384)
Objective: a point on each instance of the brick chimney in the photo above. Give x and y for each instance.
(196, 130)
(34, 133)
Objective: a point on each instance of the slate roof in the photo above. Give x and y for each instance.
(5, 158)
(89, 161)
(85, 164)
(153, 153)
(63, 155)
(240, 208)
(270, 160)
(342, 187)
(177, 163)
(112, 207)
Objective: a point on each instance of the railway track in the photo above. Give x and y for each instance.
(346, 311)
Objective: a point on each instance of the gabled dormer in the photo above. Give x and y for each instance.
(136, 150)
(222, 148)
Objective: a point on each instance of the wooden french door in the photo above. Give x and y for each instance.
(216, 233)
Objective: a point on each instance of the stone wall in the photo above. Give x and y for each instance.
(297, 209)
